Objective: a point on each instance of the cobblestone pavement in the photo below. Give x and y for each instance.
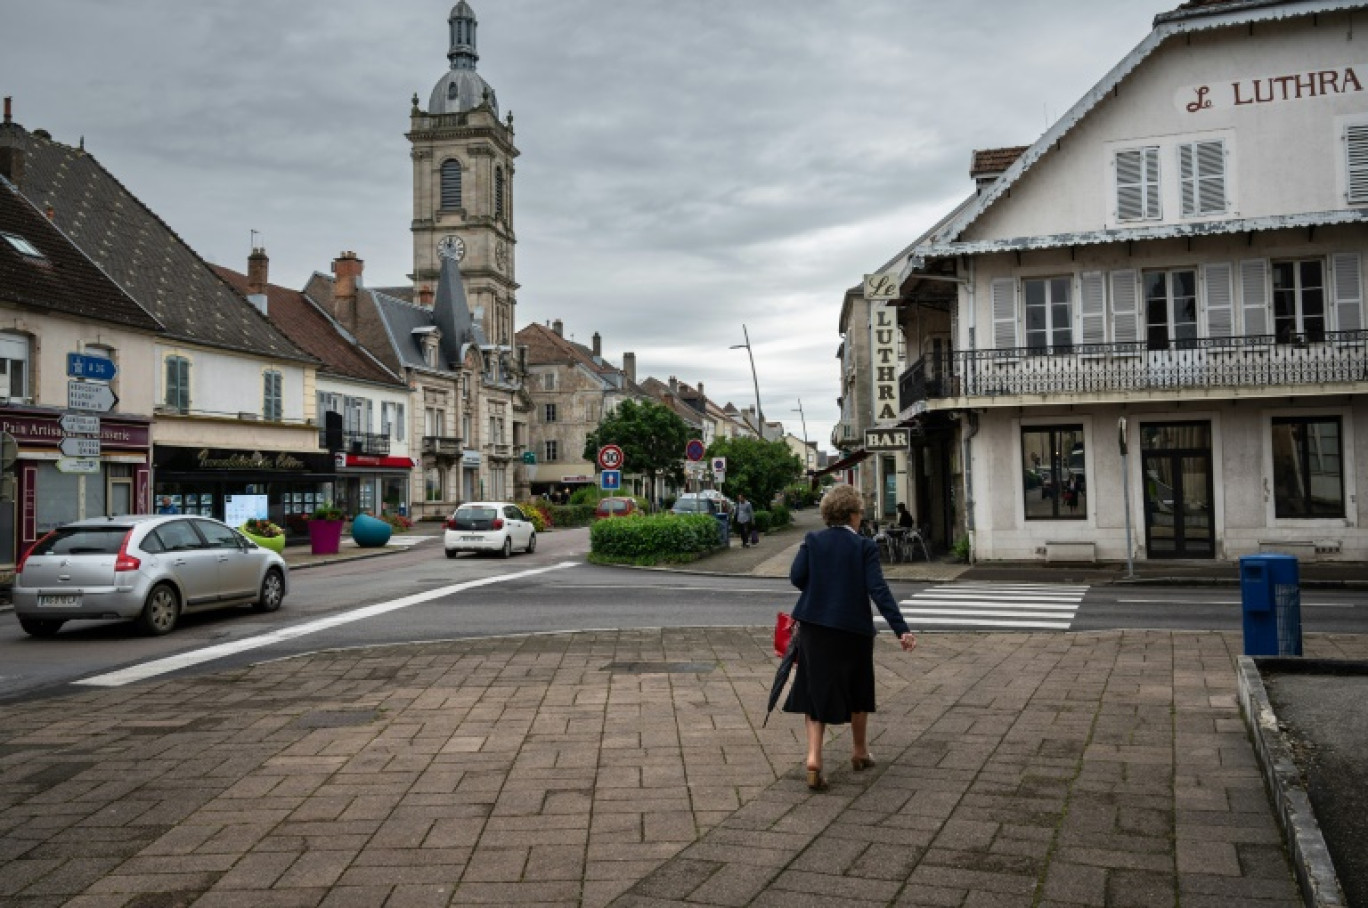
(631, 768)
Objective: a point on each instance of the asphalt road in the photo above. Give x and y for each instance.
(419, 595)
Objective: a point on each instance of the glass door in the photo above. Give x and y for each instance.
(1176, 465)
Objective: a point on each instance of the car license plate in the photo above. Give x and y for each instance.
(472, 538)
(61, 600)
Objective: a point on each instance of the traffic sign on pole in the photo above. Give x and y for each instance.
(100, 368)
(74, 424)
(77, 465)
(694, 450)
(610, 457)
(610, 480)
(80, 447)
(88, 395)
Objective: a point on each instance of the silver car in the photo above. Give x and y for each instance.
(489, 526)
(148, 567)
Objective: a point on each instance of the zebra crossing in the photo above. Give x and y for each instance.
(995, 606)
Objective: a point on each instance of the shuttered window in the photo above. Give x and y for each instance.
(1049, 313)
(1254, 296)
(1092, 307)
(1202, 177)
(1004, 314)
(178, 383)
(451, 185)
(498, 194)
(1346, 270)
(1356, 146)
(1219, 300)
(1137, 184)
(1125, 301)
(271, 396)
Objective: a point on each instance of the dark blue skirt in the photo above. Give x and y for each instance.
(835, 675)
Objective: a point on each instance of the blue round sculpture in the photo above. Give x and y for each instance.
(370, 532)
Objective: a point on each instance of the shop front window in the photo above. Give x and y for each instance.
(1054, 483)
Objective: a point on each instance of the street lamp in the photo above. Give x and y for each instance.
(799, 411)
(759, 411)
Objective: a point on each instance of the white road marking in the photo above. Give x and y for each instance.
(208, 654)
(994, 605)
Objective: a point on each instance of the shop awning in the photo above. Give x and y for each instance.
(844, 462)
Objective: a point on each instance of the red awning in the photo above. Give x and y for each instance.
(370, 460)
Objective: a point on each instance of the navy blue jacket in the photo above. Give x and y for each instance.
(838, 572)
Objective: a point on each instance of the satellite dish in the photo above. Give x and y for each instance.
(9, 450)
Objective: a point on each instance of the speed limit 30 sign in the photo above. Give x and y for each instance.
(610, 457)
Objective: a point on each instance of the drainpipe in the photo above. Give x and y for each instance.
(967, 435)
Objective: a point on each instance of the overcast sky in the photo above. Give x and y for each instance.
(686, 167)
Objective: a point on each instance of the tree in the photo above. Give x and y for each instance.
(652, 438)
(757, 468)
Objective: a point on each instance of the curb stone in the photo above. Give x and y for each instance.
(1310, 857)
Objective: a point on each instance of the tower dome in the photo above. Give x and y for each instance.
(462, 89)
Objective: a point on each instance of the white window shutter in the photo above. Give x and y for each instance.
(1005, 322)
(1254, 296)
(1092, 308)
(1152, 209)
(399, 421)
(1129, 185)
(1346, 269)
(1218, 283)
(1187, 179)
(1125, 298)
(1211, 167)
(1356, 146)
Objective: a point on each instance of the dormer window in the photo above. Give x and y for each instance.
(22, 246)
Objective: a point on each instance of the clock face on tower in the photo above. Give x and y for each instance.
(451, 247)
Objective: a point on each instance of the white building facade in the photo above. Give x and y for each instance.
(1179, 260)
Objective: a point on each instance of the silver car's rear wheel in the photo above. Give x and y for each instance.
(272, 592)
(531, 543)
(160, 612)
(452, 553)
(507, 547)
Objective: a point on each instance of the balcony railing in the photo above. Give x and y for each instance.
(369, 443)
(442, 444)
(1256, 361)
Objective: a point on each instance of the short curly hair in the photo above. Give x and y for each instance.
(839, 503)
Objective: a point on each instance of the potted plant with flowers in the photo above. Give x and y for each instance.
(325, 529)
(264, 533)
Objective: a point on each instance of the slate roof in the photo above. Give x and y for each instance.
(671, 400)
(62, 280)
(545, 347)
(316, 332)
(141, 252)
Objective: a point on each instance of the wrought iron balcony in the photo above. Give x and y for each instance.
(1256, 361)
(370, 443)
(448, 445)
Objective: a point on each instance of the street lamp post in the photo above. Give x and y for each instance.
(802, 417)
(759, 411)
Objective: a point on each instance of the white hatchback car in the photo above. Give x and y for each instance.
(489, 526)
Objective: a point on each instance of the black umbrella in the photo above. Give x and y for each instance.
(781, 674)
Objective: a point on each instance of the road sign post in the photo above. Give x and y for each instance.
(80, 447)
(610, 480)
(94, 397)
(76, 424)
(99, 368)
(610, 457)
(694, 450)
(77, 465)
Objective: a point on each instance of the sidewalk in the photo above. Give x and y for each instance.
(632, 768)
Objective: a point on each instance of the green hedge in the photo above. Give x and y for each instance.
(572, 515)
(653, 540)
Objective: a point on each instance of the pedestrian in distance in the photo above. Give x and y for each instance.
(745, 517)
(904, 518)
(838, 572)
(167, 506)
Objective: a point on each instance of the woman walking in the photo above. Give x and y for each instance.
(838, 572)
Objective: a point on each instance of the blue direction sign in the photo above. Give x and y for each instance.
(610, 480)
(99, 368)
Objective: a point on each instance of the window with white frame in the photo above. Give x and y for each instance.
(271, 395)
(14, 366)
(433, 487)
(177, 395)
(1299, 301)
(1137, 184)
(552, 451)
(392, 420)
(22, 246)
(550, 412)
(1049, 312)
(1170, 308)
(548, 381)
(1202, 177)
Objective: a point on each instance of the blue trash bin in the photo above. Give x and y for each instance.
(1270, 599)
(723, 529)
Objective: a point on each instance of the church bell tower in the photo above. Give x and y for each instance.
(463, 185)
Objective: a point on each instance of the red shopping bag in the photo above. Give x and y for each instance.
(783, 631)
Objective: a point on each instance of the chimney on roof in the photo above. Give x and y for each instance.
(674, 385)
(425, 295)
(598, 345)
(701, 395)
(257, 267)
(8, 101)
(50, 212)
(347, 269)
(987, 164)
(629, 366)
(522, 358)
(558, 326)
(11, 157)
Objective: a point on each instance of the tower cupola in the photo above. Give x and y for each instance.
(462, 89)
